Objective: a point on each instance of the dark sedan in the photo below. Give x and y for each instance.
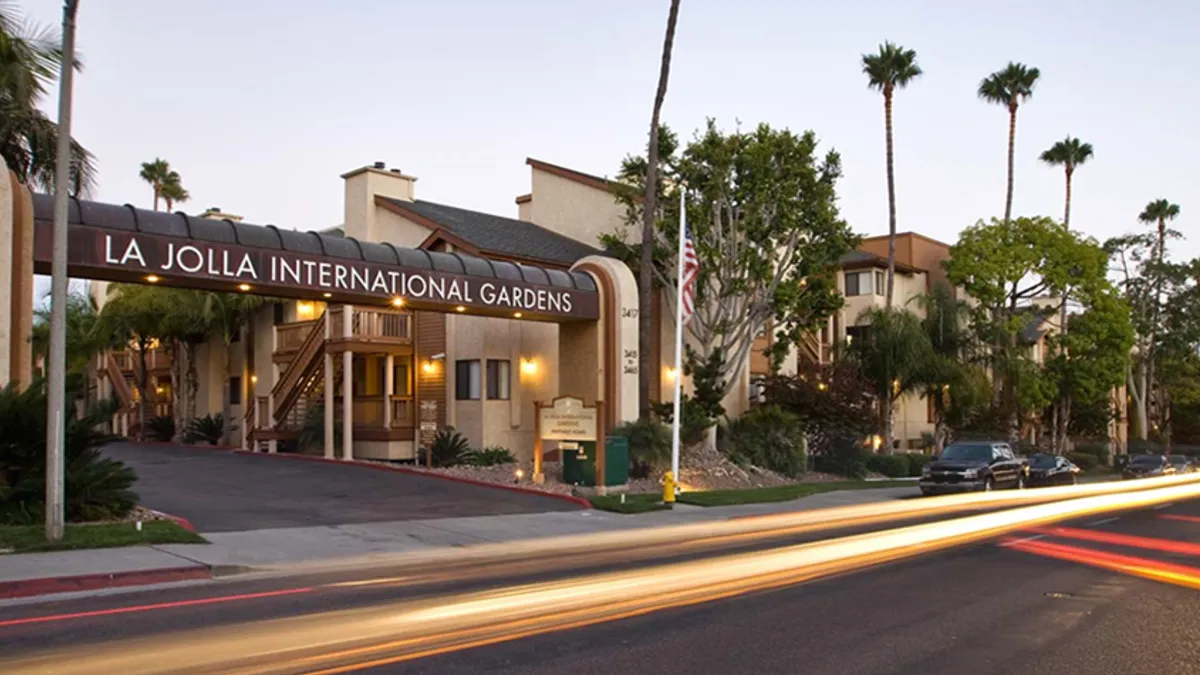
(1182, 463)
(1144, 466)
(1052, 470)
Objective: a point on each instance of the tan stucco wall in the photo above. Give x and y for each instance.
(572, 209)
(398, 230)
(360, 215)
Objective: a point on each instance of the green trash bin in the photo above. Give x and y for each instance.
(616, 460)
(579, 464)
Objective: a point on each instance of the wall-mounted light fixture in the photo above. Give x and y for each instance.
(305, 310)
(529, 367)
(671, 374)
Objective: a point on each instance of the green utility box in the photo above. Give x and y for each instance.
(579, 463)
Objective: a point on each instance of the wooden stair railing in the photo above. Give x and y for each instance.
(300, 372)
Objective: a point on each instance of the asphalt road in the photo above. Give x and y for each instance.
(223, 491)
(979, 609)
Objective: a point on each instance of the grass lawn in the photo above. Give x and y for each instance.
(782, 493)
(32, 538)
(634, 503)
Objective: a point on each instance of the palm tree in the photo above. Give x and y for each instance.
(30, 57)
(173, 192)
(1070, 154)
(895, 356)
(1158, 212)
(891, 69)
(157, 174)
(1009, 87)
(226, 314)
(649, 214)
(133, 316)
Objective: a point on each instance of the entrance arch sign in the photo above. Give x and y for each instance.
(122, 243)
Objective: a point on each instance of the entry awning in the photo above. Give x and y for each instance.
(112, 242)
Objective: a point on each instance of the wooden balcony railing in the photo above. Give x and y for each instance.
(368, 411)
(402, 411)
(374, 325)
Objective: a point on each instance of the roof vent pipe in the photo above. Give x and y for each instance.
(379, 165)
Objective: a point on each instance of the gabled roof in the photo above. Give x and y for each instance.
(1036, 320)
(490, 234)
(573, 175)
(861, 259)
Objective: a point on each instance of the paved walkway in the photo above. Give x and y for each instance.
(275, 548)
(224, 491)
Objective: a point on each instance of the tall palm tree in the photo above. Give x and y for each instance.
(1009, 88)
(30, 56)
(649, 214)
(1159, 212)
(173, 192)
(1069, 153)
(891, 69)
(157, 174)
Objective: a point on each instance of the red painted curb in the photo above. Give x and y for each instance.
(578, 501)
(90, 582)
(180, 521)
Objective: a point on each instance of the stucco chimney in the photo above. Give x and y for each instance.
(362, 187)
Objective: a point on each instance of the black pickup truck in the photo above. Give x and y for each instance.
(974, 466)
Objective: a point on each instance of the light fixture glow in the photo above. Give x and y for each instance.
(243, 287)
(671, 374)
(516, 315)
(397, 302)
(529, 366)
(152, 278)
(254, 379)
(427, 367)
(327, 295)
(460, 308)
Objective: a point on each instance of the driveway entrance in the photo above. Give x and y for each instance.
(223, 491)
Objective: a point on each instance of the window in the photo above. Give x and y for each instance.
(857, 333)
(278, 312)
(853, 283)
(879, 282)
(499, 380)
(466, 380)
(235, 391)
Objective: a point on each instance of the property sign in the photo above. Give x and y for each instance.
(428, 422)
(568, 419)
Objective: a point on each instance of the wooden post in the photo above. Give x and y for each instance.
(601, 486)
(538, 476)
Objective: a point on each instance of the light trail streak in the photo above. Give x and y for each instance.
(1179, 575)
(335, 642)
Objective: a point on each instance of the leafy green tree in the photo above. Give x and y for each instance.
(892, 68)
(1006, 265)
(896, 357)
(133, 316)
(1010, 87)
(184, 328)
(1146, 279)
(951, 380)
(30, 59)
(1091, 358)
(763, 216)
(1069, 153)
(652, 188)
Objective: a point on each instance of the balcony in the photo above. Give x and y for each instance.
(371, 330)
(158, 359)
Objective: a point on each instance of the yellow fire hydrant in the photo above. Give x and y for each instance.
(669, 488)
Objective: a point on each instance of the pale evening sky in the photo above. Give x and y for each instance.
(261, 104)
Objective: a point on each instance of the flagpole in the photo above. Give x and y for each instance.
(679, 337)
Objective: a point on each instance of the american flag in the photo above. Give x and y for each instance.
(689, 271)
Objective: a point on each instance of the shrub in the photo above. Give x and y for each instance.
(161, 428)
(846, 456)
(312, 431)
(96, 488)
(209, 429)
(916, 462)
(449, 448)
(492, 456)
(892, 466)
(1084, 460)
(830, 401)
(768, 437)
(695, 421)
(649, 445)
(1099, 450)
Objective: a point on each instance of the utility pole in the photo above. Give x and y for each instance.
(56, 394)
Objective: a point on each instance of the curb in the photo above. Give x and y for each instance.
(185, 446)
(90, 582)
(578, 501)
(180, 521)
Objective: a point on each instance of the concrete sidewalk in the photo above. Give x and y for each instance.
(268, 549)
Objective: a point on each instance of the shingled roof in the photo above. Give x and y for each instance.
(493, 234)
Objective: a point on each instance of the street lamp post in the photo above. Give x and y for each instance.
(57, 361)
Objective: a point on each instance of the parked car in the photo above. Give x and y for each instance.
(1143, 466)
(1182, 463)
(1052, 470)
(974, 466)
